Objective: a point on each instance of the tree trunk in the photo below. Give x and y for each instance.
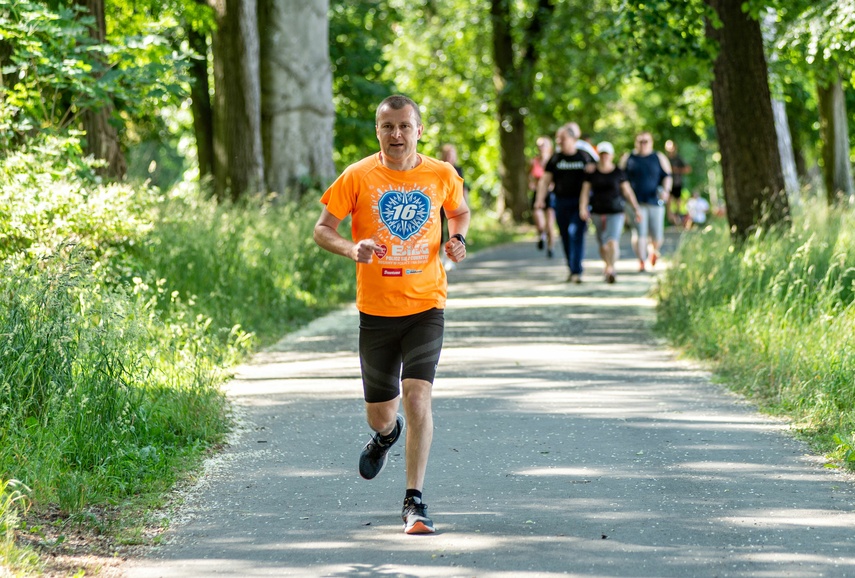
(798, 148)
(239, 161)
(779, 112)
(785, 149)
(5, 54)
(512, 169)
(203, 121)
(750, 162)
(296, 95)
(834, 129)
(102, 139)
(514, 83)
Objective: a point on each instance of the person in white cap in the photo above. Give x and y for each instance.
(602, 199)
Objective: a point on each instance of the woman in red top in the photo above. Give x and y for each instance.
(544, 220)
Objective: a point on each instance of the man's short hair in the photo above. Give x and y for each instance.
(397, 102)
(570, 130)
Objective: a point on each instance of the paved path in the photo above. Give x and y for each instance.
(569, 441)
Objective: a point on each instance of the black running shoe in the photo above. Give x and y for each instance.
(415, 517)
(374, 454)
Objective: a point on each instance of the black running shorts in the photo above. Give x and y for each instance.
(395, 348)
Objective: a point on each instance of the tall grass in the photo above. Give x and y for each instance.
(99, 398)
(13, 501)
(254, 264)
(775, 317)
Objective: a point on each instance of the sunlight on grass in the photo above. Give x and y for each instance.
(775, 318)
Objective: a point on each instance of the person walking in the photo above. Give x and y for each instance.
(448, 153)
(583, 141)
(566, 172)
(678, 169)
(649, 174)
(394, 197)
(544, 219)
(696, 208)
(602, 199)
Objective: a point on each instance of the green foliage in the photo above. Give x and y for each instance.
(53, 71)
(814, 43)
(814, 33)
(775, 316)
(48, 195)
(48, 61)
(655, 35)
(359, 31)
(150, 53)
(58, 70)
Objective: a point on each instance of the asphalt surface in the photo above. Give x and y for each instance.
(569, 441)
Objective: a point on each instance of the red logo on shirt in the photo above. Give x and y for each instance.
(392, 272)
(380, 251)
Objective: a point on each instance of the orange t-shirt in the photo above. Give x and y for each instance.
(400, 211)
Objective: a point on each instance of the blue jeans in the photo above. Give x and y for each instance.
(572, 229)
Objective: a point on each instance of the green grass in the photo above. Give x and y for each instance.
(13, 501)
(775, 318)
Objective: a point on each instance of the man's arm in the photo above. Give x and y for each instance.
(542, 188)
(458, 224)
(668, 181)
(629, 195)
(584, 199)
(327, 237)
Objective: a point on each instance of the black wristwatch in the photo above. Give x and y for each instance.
(460, 238)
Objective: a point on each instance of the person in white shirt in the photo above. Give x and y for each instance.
(696, 209)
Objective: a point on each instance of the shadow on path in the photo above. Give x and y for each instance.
(569, 441)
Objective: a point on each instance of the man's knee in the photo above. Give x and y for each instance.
(417, 396)
(381, 415)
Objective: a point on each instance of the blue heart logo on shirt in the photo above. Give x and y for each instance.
(404, 213)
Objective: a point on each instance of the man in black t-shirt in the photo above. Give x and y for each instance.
(566, 169)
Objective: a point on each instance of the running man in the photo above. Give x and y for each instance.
(394, 199)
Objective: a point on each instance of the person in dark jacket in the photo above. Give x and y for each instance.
(649, 174)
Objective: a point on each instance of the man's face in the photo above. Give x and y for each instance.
(566, 142)
(398, 132)
(644, 143)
